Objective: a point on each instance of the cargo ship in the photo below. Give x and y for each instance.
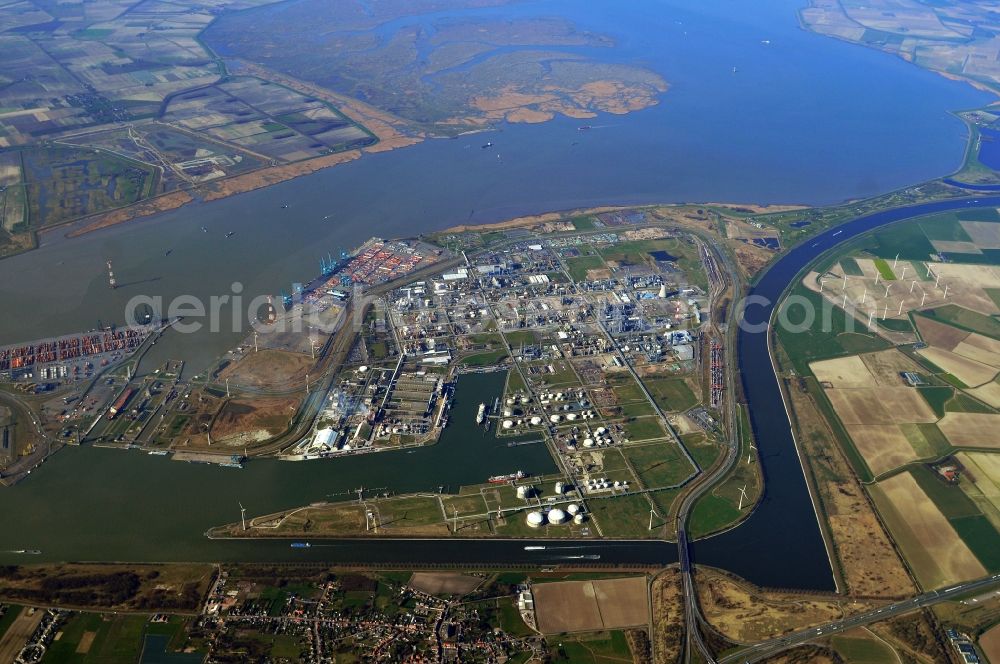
(510, 477)
(481, 413)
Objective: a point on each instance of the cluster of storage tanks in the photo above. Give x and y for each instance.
(603, 484)
(556, 516)
(567, 411)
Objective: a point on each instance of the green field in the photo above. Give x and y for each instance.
(828, 335)
(937, 398)
(672, 394)
(980, 535)
(644, 428)
(658, 464)
(883, 268)
(972, 321)
(851, 267)
(862, 650)
(485, 359)
(623, 516)
(578, 267)
(595, 648)
(117, 639)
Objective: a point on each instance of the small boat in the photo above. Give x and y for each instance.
(167, 252)
(584, 128)
(301, 545)
(230, 233)
(204, 230)
(284, 206)
(534, 548)
(481, 413)
(488, 145)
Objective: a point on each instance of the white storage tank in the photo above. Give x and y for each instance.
(560, 488)
(536, 519)
(578, 518)
(573, 509)
(557, 516)
(589, 442)
(555, 418)
(508, 424)
(536, 420)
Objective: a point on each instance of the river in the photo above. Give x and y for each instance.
(770, 133)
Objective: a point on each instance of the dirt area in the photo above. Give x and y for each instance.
(981, 349)
(513, 105)
(531, 220)
(178, 587)
(937, 555)
(869, 563)
(268, 368)
(914, 637)
(249, 421)
(750, 257)
(971, 429)
(17, 635)
(887, 365)
(883, 446)
(444, 583)
(586, 606)
(156, 205)
(880, 405)
(86, 641)
(808, 654)
(843, 372)
(597, 275)
(990, 643)
(990, 393)
(743, 612)
(758, 209)
(668, 616)
(983, 469)
(896, 298)
(967, 284)
(939, 335)
(968, 371)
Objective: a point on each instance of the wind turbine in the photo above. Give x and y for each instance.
(750, 453)
(243, 515)
(743, 496)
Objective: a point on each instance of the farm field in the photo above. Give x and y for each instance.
(990, 643)
(930, 544)
(584, 606)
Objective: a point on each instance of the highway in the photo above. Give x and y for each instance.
(770, 648)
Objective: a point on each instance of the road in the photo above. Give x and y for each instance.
(770, 648)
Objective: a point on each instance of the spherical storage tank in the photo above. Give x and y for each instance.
(536, 519)
(557, 516)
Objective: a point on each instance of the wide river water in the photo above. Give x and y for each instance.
(805, 119)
